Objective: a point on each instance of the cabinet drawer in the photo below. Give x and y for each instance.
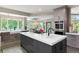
(40, 47)
(71, 40)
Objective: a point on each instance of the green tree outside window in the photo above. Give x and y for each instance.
(12, 24)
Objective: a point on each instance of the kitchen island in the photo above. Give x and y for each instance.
(42, 43)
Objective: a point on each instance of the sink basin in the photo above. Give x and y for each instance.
(50, 36)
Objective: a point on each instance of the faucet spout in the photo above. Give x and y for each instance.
(49, 31)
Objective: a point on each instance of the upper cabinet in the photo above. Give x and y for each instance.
(63, 13)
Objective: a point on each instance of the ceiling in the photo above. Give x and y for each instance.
(34, 9)
(39, 9)
(75, 10)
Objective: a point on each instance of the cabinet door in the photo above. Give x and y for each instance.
(64, 46)
(35, 46)
(45, 48)
(61, 47)
(71, 40)
(26, 42)
(40, 47)
(22, 39)
(77, 41)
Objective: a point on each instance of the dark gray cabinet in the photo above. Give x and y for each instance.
(34, 46)
(61, 47)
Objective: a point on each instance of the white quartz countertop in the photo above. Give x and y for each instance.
(11, 31)
(50, 40)
(72, 33)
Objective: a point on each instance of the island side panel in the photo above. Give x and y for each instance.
(61, 47)
(34, 46)
(26, 43)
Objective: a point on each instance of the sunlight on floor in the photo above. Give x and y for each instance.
(16, 49)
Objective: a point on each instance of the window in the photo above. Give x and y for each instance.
(37, 25)
(11, 22)
(4, 23)
(20, 23)
(75, 22)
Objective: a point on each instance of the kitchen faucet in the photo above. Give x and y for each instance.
(49, 31)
